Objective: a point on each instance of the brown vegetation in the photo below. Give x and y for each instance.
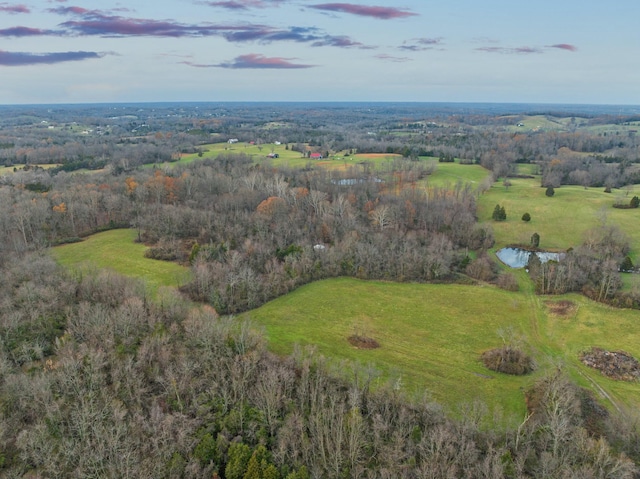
(563, 307)
(363, 342)
(613, 364)
(508, 360)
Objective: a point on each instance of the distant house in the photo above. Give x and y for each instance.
(315, 156)
(231, 141)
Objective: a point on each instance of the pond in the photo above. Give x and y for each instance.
(518, 257)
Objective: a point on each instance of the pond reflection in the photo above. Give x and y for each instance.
(518, 257)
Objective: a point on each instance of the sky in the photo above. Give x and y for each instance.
(544, 51)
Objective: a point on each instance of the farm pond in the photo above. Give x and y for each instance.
(518, 257)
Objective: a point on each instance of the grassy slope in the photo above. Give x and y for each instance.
(431, 336)
(117, 250)
(451, 173)
(560, 220)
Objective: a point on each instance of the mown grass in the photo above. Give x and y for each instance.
(451, 173)
(560, 220)
(118, 251)
(431, 336)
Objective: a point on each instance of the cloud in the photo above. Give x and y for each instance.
(564, 46)
(244, 4)
(12, 59)
(382, 13)
(255, 61)
(421, 44)
(26, 32)
(310, 35)
(391, 58)
(510, 51)
(96, 22)
(13, 9)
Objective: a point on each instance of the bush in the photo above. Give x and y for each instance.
(499, 213)
(626, 265)
(550, 191)
(535, 240)
(507, 281)
(526, 217)
(508, 360)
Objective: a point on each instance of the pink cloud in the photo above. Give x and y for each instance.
(255, 60)
(8, 8)
(382, 13)
(564, 46)
(244, 4)
(26, 32)
(510, 51)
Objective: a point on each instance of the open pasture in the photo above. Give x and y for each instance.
(431, 336)
(560, 220)
(451, 173)
(118, 251)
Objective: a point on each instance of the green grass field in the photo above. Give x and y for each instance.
(560, 220)
(431, 336)
(116, 250)
(451, 173)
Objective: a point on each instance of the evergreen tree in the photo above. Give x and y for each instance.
(499, 213)
(526, 217)
(239, 456)
(550, 191)
(535, 240)
(627, 264)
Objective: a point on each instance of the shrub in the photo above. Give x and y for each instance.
(508, 360)
(526, 217)
(635, 202)
(626, 265)
(499, 213)
(507, 281)
(550, 191)
(535, 240)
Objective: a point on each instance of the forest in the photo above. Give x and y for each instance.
(100, 378)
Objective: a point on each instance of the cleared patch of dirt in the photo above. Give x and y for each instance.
(363, 342)
(563, 307)
(618, 365)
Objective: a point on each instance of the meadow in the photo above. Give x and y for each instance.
(117, 250)
(561, 220)
(431, 337)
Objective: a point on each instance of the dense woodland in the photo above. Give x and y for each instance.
(97, 380)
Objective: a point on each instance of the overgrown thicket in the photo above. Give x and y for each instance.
(592, 268)
(128, 388)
